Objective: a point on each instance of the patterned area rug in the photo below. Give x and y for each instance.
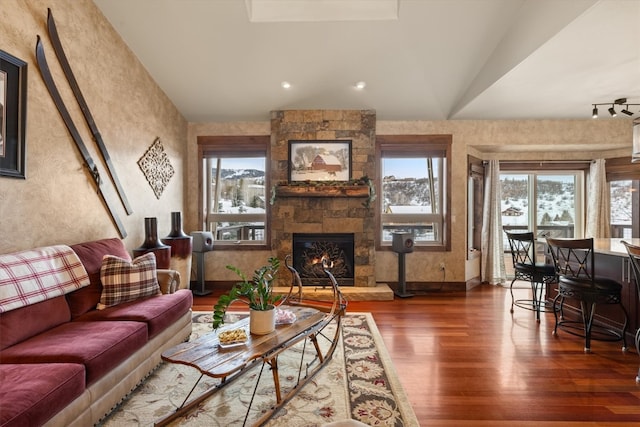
(359, 383)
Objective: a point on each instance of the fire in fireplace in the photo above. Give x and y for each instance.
(309, 251)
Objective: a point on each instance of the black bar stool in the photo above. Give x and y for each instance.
(575, 267)
(523, 255)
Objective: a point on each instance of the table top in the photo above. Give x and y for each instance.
(206, 355)
(613, 246)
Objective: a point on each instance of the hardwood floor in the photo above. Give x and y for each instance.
(465, 360)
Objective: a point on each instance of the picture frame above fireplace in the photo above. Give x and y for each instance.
(319, 160)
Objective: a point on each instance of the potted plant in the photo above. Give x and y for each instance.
(257, 293)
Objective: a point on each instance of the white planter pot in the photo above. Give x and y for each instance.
(262, 322)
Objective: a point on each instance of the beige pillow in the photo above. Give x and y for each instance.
(124, 281)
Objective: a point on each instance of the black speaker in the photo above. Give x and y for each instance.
(202, 241)
(402, 242)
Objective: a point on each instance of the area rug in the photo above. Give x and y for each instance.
(360, 383)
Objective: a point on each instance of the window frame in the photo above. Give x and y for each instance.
(235, 146)
(578, 170)
(422, 146)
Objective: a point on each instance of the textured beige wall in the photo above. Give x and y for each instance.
(57, 203)
(521, 139)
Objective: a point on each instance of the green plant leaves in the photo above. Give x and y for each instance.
(257, 293)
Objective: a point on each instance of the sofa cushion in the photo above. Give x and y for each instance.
(158, 311)
(34, 275)
(91, 254)
(99, 346)
(124, 281)
(31, 393)
(22, 323)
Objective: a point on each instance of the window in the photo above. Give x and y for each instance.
(413, 189)
(234, 197)
(547, 203)
(621, 206)
(624, 183)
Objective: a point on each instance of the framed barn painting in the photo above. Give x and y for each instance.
(13, 110)
(319, 161)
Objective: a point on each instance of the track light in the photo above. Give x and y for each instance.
(626, 111)
(612, 110)
(635, 153)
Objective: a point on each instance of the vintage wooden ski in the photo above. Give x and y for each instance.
(43, 66)
(66, 67)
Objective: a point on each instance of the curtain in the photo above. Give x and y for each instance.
(598, 204)
(492, 265)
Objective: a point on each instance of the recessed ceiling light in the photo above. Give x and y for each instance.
(285, 85)
(361, 85)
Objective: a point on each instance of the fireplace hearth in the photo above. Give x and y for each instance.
(336, 249)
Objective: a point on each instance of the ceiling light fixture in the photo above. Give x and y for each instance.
(612, 110)
(626, 111)
(285, 85)
(361, 85)
(635, 152)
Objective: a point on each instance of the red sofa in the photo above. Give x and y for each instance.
(65, 363)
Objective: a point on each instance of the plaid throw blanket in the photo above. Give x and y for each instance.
(35, 275)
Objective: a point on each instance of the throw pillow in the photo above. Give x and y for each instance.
(124, 280)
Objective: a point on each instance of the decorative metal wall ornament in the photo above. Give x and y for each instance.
(156, 167)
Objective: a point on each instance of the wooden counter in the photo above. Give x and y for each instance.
(613, 246)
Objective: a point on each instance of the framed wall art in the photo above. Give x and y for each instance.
(13, 110)
(319, 160)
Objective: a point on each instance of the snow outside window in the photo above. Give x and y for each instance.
(236, 199)
(413, 190)
(622, 212)
(548, 204)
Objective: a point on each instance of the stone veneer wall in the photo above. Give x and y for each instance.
(325, 214)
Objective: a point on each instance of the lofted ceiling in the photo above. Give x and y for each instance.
(433, 60)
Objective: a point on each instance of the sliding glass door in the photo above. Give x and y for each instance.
(549, 204)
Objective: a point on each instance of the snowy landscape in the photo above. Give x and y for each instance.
(556, 202)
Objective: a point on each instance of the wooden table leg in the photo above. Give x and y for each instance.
(276, 378)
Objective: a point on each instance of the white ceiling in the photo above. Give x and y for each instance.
(439, 60)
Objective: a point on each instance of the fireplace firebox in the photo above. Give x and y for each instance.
(337, 249)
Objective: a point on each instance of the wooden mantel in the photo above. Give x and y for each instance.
(319, 190)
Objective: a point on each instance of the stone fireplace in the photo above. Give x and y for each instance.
(328, 213)
(313, 250)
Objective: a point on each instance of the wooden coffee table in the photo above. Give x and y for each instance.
(206, 355)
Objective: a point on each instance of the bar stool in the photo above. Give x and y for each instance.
(523, 255)
(575, 267)
(634, 261)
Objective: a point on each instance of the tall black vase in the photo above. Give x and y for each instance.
(153, 244)
(181, 246)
